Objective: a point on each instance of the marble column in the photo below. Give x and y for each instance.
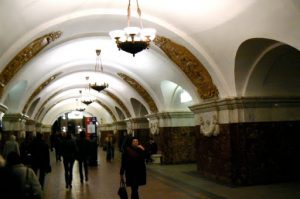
(247, 141)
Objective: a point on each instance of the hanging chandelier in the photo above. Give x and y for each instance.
(133, 39)
(98, 67)
(86, 99)
(79, 108)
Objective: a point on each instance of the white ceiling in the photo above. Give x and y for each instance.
(212, 30)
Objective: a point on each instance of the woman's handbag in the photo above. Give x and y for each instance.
(122, 192)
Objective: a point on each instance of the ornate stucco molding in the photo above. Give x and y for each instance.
(170, 119)
(114, 97)
(107, 109)
(190, 65)
(24, 56)
(141, 90)
(248, 109)
(38, 90)
(3, 108)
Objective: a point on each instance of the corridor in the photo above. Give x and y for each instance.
(164, 182)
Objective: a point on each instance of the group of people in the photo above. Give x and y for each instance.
(70, 149)
(20, 177)
(28, 164)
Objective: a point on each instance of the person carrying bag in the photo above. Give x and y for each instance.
(122, 192)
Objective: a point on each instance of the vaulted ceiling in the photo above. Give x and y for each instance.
(209, 49)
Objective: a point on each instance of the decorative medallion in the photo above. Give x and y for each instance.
(146, 96)
(190, 65)
(24, 56)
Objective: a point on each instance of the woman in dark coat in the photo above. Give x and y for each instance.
(133, 165)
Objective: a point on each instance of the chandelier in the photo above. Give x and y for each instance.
(86, 99)
(133, 39)
(98, 67)
(79, 108)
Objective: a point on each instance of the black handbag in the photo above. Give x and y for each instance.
(122, 192)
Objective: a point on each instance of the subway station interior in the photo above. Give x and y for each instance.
(214, 83)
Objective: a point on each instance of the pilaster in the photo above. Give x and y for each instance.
(244, 141)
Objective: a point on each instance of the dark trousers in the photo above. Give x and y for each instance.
(134, 192)
(83, 165)
(68, 165)
(40, 172)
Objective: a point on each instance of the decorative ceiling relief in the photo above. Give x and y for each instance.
(190, 65)
(146, 96)
(114, 97)
(24, 56)
(107, 109)
(38, 90)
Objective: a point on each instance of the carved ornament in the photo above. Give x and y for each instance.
(209, 125)
(154, 129)
(107, 109)
(146, 96)
(24, 56)
(114, 97)
(190, 65)
(38, 90)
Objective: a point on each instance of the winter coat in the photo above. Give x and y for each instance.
(133, 165)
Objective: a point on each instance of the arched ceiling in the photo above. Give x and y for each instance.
(203, 41)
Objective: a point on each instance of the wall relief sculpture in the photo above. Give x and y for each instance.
(146, 96)
(190, 65)
(209, 125)
(154, 129)
(24, 56)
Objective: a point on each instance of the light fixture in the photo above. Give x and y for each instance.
(86, 96)
(133, 39)
(98, 66)
(79, 108)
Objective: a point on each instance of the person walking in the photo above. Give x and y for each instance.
(40, 157)
(10, 146)
(69, 152)
(133, 166)
(83, 153)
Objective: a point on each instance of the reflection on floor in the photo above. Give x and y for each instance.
(163, 182)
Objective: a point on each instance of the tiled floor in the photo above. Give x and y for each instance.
(164, 182)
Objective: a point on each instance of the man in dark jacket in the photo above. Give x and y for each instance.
(133, 165)
(69, 152)
(83, 153)
(40, 157)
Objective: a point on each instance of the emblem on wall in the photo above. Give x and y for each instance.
(129, 128)
(209, 125)
(154, 128)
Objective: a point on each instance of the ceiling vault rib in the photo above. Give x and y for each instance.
(141, 90)
(190, 65)
(38, 90)
(107, 109)
(24, 56)
(121, 104)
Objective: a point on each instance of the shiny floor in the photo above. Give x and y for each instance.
(163, 182)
